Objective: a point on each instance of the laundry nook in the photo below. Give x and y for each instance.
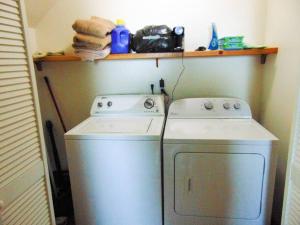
(149, 113)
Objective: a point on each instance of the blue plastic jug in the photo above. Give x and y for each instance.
(120, 38)
(214, 44)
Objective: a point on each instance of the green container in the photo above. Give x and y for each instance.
(231, 43)
(232, 39)
(232, 46)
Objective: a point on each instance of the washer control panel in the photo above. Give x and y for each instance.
(210, 108)
(128, 104)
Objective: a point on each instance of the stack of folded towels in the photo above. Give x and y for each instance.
(92, 38)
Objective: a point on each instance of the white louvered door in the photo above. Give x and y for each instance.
(291, 211)
(25, 196)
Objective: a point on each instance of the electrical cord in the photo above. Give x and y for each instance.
(164, 93)
(152, 88)
(162, 87)
(178, 78)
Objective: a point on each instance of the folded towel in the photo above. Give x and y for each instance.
(107, 22)
(91, 55)
(101, 42)
(85, 45)
(96, 26)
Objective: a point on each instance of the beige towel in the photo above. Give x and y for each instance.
(108, 23)
(91, 55)
(84, 45)
(96, 26)
(101, 42)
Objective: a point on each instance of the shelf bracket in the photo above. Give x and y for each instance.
(39, 65)
(263, 58)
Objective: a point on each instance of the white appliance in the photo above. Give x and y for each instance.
(219, 164)
(114, 159)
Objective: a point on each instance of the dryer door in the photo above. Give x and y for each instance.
(219, 185)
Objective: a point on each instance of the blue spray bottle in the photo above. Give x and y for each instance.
(214, 44)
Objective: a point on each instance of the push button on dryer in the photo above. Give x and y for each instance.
(208, 105)
(226, 106)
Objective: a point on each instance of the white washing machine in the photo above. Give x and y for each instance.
(219, 164)
(114, 159)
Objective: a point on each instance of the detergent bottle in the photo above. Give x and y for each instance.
(214, 44)
(120, 38)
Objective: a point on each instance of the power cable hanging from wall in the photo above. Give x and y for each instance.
(178, 78)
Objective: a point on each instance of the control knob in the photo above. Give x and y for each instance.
(237, 105)
(149, 103)
(226, 106)
(208, 106)
(109, 104)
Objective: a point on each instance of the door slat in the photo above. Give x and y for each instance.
(16, 100)
(16, 119)
(29, 137)
(10, 3)
(9, 9)
(13, 174)
(7, 15)
(10, 134)
(10, 22)
(12, 55)
(13, 94)
(12, 207)
(18, 151)
(19, 163)
(9, 48)
(17, 137)
(13, 107)
(17, 112)
(16, 125)
(14, 81)
(10, 29)
(13, 75)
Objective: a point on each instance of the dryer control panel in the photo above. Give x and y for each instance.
(128, 104)
(210, 108)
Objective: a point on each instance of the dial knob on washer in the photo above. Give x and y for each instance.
(149, 103)
(237, 105)
(208, 105)
(109, 104)
(226, 105)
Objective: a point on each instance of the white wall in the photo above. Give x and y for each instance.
(37, 10)
(234, 17)
(281, 82)
(32, 40)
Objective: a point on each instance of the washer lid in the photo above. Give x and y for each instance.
(118, 128)
(117, 125)
(216, 131)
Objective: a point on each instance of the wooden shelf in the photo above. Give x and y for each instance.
(191, 54)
